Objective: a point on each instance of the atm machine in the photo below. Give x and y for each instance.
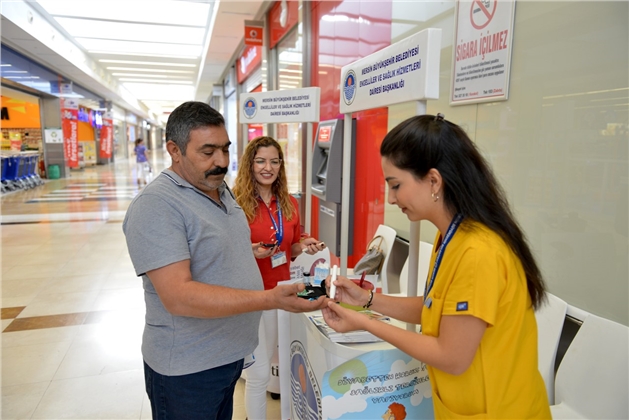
(327, 174)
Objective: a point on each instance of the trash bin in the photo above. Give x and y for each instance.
(53, 172)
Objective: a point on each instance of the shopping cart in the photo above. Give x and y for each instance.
(30, 175)
(10, 163)
(19, 171)
(5, 170)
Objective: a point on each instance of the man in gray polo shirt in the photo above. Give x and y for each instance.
(190, 242)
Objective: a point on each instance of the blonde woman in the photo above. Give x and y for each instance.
(261, 190)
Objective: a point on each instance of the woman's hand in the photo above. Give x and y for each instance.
(311, 246)
(261, 252)
(348, 292)
(342, 319)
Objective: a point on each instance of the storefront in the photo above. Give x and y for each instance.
(44, 112)
(21, 121)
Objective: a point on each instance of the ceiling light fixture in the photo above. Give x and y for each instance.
(156, 76)
(151, 70)
(178, 82)
(139, 54)
(147, 63)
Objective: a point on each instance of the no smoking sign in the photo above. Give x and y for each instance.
(481, 12)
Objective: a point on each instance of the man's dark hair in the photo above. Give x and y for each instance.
(190, 116)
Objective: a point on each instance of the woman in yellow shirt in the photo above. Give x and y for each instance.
(479, 335)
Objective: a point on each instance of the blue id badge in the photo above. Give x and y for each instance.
(278, 259)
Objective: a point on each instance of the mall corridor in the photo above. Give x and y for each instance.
(72, 307)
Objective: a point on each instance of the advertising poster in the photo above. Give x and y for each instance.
(15, 140)
(482, 51)
(379, 384)
(106, 137)
(70, 127)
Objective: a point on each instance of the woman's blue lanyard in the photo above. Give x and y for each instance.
(446, 239)
(278, 226)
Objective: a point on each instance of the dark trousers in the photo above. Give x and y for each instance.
(206, 395)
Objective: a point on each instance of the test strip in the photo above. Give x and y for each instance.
(332, 280)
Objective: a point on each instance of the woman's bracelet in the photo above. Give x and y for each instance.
(368, 304)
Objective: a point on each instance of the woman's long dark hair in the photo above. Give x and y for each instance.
(421, 143)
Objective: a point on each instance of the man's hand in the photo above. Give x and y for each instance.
(285, 297)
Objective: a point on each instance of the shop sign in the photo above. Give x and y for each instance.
(280, 106)
(249, 60)
(482, 52)
(405, 71)
(17, 113)
(254, 30)
(283, 16)
(61, 88)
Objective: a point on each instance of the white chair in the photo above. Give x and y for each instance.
(550, 318)
(305, 263)
(592, 381)
(388, 239)
(425, 251)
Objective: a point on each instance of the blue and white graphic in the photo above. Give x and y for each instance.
(250, 108)
(281, 106)
(349, 87)
(377, 383)
(305, 391)
(402, 72)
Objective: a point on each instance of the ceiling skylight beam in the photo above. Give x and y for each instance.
(157, 11)
(151, 70)
(150, 81)
(139, 47)
(136, 40)
(127, 22)
(147, 63)
(139, 54)
(155, 76)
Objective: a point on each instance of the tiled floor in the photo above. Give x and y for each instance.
(72, 307)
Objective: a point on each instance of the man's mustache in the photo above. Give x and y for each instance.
(216, 171)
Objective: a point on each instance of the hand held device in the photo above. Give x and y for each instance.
(312, 292)
(332, 280)
(267, 245)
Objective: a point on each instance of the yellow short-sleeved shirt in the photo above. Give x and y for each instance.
(480, 276)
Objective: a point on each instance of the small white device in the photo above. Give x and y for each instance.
(332, 280)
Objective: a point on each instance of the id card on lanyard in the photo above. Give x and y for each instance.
(279, 257)
(454, 225)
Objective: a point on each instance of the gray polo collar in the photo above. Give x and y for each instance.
(177, 180)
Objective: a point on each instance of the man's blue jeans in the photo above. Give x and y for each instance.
(206, 395)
